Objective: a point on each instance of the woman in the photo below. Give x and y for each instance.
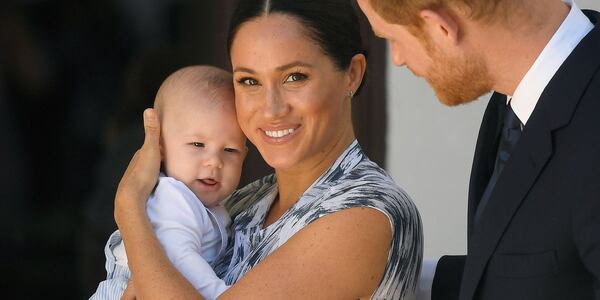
(329, 224)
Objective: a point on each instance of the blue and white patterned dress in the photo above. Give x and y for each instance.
(352, 181)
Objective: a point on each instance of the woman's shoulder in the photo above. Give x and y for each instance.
(367, 184)
(370, 186)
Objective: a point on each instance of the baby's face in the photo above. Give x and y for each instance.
(204, 148)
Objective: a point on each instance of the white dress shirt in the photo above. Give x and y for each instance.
(573, 29)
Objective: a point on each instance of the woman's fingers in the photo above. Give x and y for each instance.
(152, 130)
(142, 173)
(148, 157)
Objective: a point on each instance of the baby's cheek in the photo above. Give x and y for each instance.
(235, 162)
(233, 179)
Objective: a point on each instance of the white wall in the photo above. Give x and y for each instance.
(430, 151)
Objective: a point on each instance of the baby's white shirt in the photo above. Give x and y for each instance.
(192, 235)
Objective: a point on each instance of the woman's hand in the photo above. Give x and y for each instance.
(142, 173)
(129, 293)
(155, 276)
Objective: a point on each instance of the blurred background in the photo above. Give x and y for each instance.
(75, 77)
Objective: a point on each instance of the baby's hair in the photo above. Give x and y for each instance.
(213, 83)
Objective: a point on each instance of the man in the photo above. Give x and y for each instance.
(534, 194)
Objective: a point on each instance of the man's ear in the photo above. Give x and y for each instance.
(441, 25)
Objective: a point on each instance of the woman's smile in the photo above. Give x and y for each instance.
(280, 134)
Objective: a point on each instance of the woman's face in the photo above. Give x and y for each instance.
(292, 102)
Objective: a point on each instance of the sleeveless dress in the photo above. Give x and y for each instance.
(352, 181)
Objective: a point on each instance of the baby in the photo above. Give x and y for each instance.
(202, 150)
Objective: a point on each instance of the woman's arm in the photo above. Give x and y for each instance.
(339, 256)
(155, 276)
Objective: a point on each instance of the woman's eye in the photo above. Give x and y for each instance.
(295, 77)
(248, 81)
(198, 144)
(232, 150)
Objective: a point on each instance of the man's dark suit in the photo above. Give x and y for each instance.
(539, 235)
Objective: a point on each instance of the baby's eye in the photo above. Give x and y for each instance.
(295, 77)
(232, 150)
(248, 81)
(197, 144)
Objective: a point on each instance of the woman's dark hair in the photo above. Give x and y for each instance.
(332, 24)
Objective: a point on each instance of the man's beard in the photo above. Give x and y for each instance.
(457, 80)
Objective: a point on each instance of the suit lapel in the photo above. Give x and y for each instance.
(485, 152)
(554, 110)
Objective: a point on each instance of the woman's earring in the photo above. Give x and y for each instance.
(350, 94)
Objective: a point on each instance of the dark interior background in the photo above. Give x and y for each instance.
(74, 78)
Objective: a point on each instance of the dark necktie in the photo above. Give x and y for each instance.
(511, 131)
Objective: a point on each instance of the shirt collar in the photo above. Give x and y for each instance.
(572, 30)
